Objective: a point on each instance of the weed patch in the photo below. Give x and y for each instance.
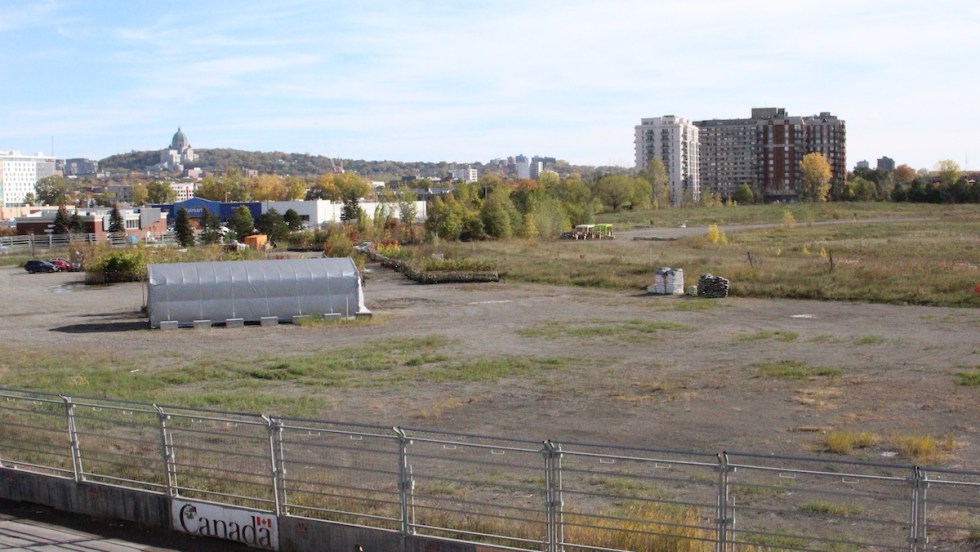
(794, 369)
(777, 335)
(969, 379)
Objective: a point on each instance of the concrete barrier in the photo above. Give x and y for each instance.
(153, 510)
(91, 499)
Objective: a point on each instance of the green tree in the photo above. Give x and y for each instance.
(53, 190)
(948, 172)
(293, 220)
(744, 195)
(116, 223)
(30, 198)
(159, 193)
(815, 172)
(182, 228)
(62, 222)
(495, 215)
(615, 192)
(241, 222)
(272, 224)
(210, 227)
(75, 223)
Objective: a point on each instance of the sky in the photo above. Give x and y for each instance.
(465, 81)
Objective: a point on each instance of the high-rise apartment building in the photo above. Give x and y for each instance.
(673, 140)
(886, 164)
(765, 151)
(19, 173)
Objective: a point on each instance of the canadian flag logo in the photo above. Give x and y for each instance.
(262, 522)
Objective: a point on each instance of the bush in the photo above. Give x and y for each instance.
(122, 266)
(716, 235)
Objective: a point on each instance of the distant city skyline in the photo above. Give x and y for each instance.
(468, 82)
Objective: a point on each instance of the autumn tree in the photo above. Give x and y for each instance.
(323, 188)
(295, 188)
(815, 172)
(268, 187)
(138, 193)
(656, 175)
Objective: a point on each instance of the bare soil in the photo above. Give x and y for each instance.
(696, 389)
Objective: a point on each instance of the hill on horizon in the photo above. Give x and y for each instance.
(217, 161)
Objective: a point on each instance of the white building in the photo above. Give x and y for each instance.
(467, 175)
(673, 140)
(19, 173)
(523, 166)
(185, 190)
(321, 211)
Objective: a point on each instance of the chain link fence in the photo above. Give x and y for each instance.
(507, 493)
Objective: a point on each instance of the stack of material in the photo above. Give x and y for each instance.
(712, 286)
(669, 281)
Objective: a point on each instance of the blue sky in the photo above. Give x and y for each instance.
(475, 80)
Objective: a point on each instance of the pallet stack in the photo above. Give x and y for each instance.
(669, 281)
(712, 286)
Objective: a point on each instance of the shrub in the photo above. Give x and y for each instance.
(716, 235)
(122, 266)
(789, 220)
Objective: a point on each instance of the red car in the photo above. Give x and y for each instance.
(63, 265)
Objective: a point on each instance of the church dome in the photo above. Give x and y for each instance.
(179, 141)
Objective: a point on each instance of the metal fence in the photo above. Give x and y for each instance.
(32, 243)
(508, 493)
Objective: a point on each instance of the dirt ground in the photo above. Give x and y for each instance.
(695, 388)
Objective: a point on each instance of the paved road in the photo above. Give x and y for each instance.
(28, 527)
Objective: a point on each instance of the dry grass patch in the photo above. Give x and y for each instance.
(924, 448)
(440, 407)
(819, 397)
(845, 441)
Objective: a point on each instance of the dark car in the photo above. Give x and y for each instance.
(62, 264)
(35, 265)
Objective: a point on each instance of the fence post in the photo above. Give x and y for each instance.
(278, 470)
(553, 497)
(167, 451)
(76, 453)
(406, 485)
(722, 517)
(917, 510)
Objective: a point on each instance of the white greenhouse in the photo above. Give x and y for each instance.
(236, 292)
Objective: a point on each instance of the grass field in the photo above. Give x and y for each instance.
(926, 262)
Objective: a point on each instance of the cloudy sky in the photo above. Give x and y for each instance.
(460, 80)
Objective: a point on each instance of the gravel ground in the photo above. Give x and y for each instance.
(695, 389)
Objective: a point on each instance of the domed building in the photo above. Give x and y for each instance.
(179, 153)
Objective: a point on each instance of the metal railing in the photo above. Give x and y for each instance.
(507, 493)
(31, 243)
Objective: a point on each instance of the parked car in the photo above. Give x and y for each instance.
(62, 264)
(35, 265)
